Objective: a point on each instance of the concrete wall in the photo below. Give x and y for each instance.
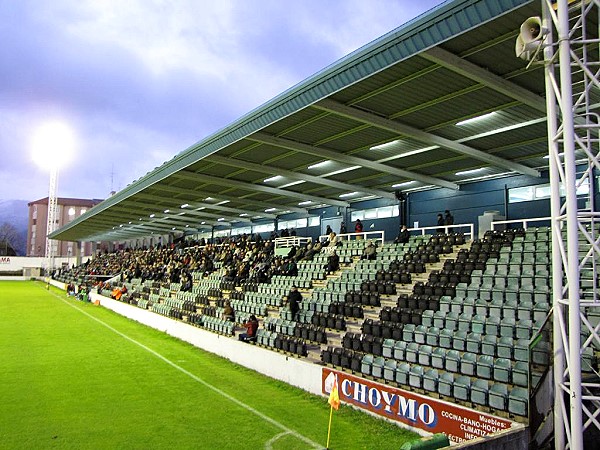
(16, 263)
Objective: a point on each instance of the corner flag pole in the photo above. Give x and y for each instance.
(329, 428)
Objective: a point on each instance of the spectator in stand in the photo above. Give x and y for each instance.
(251, 329)
(228, 313)
(310, 252)
(343, 228)
(358, 226)
(186, 283)
(294, 298)
(441, 222)
(403, 236)
(328, 231)
(290, 268)
(333, 263)
(448, 218)
(370, 252)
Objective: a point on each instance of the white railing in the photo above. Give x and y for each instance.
(523, 222)
(469, 227)
(291, 241)
(377, 236)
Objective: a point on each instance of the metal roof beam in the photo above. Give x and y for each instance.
(246, 201)
(348, 159)
(423, 136)
(211, 206)
(186, 174)
(476, 73)
(299, 176)
(186, 211)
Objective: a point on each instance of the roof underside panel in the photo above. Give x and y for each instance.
(395, 120)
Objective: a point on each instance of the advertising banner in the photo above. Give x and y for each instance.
(429, 414)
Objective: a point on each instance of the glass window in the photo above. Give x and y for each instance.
(542, 192)
(371, 213)
(301, 223)
(314, 221)
(522, 194)
(357, 215)
(264, 228)
(386, 211)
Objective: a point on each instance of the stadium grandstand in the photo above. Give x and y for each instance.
(482, 325)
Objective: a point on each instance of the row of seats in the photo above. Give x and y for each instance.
(494, 326)
(497, 396)
(501, 309)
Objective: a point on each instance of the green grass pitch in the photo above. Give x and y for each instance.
(78, 376)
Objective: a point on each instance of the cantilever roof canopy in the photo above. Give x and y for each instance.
(384, 118)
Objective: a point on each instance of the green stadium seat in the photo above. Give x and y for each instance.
(518, 401)
(498, 397)
(462, 388)
(446, 384)
(480, 392)
(430, 380)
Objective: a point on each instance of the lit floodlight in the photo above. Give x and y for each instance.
(53, 145)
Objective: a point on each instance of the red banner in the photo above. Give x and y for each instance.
(429, 414)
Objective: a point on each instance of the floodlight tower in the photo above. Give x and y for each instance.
(53, 145)
(565, 39)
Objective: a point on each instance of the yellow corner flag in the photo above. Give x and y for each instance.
(334, 396)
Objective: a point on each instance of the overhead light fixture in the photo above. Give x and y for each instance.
(152, 216)
(335, 172)
(348, 194)
(469, 172)
(202, 223)
(274, 178)
(386, 145)
(173, 228)
(475, 119)
(130, 223)
(121, 226)
(270, 210)
(244, 215)
(221, 219)
(208, 199)
(406, 183)
(560, 155)
(222, 202)
(293, 183)
(166, 211)
(487, 177)
(185, 205)
(320, 164)
(187, 226)
(307, 202)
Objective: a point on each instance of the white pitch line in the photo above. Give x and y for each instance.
(200, 380)
(269, 444)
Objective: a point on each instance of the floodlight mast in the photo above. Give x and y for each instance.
(51, 223)
(570, 53)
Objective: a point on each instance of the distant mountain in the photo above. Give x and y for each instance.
(15, 213)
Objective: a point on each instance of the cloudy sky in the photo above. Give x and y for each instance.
(139, 81)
